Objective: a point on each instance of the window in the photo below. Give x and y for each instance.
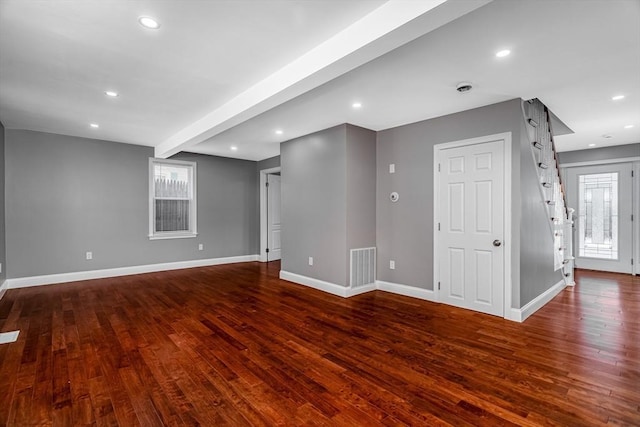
(172, 199)
(598, 216)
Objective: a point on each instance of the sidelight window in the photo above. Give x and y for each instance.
(598, 216)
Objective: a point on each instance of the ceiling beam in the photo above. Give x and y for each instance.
(388, 27)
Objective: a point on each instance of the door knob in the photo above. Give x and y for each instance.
(497, 243)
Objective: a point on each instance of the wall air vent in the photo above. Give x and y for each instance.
(363, 267)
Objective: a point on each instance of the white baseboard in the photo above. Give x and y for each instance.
(409, 291)
(361, 289)
(25, 282)
(321, 285)
(3, 288)
(347, 292)
(520, 314)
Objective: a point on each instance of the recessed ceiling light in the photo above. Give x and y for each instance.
(357, 105)
(607, 136)
(592, 145)
(617, 97)
(111, 93)
(279, 132)
(94, 125)
(234, 148)
(628, 126)
(149, 23)
(503, 53)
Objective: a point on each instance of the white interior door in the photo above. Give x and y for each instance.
(273, 218)
(470, 212)
(602, 198)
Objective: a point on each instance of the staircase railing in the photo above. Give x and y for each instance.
(543, 150)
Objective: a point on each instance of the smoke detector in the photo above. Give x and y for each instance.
(464, 87)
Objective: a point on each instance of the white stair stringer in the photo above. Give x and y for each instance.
(552, 192)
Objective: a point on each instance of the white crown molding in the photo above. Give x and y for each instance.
(25, 282)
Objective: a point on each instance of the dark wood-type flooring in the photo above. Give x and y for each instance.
(234, 345)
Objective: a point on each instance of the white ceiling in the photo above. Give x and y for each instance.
(57, 57)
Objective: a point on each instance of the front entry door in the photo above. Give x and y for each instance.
(471, 220)
(602, 198)
(274, 227)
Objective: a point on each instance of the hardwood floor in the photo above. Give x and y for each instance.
(234, 345)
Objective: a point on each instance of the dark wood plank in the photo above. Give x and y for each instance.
(234, 345)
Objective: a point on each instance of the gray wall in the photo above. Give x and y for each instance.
(596, 154)
(361, 190)
(272, 162)
(328, 201)
(68, 195)
(3, 252)
(536, 240)
(405, 228)
(314, 205)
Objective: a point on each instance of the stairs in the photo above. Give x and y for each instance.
(552, 192)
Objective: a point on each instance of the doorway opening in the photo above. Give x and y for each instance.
(270, 227)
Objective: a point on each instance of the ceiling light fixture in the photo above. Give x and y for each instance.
(617, 97)
(503, 53)
(149, 23)
(94, 125)
(111, 93)
(279, 132)
(628, 126)
(356, 105)
(234, 148)
(592, 145)
(607, 136)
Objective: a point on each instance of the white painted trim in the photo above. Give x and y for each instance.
(599, 162)
(521, 314)
(572, 190)
(3, 288)
(25, 282)
(9, 337)
(263, 211)
(193, 175)
(635, 200)
(507, 201)
(635, 225)
(409, 291)
(321, 285)
(360, 290)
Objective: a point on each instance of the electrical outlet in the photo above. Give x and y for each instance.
(392, 265)
(201, 247)
(310, 260)
(392, 168)
(89, 255)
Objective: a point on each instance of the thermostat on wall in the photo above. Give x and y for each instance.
(394, 197)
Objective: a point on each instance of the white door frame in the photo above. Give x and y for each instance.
(635, 200)
(507, 241)
(263, 211)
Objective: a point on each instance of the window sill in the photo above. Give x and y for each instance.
(166, 236)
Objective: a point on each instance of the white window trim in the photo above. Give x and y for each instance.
(194, 207)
